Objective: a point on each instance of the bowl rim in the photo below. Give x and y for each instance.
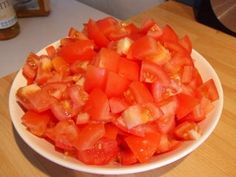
(124, 169)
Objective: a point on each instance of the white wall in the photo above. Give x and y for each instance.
(122, 9)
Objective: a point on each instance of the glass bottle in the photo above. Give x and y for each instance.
(9, 26)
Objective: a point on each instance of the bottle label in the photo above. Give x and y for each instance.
(7, 14)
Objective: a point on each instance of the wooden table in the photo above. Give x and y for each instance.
(215, 158)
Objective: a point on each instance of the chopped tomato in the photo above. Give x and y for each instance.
(78, 95)
(103, 151)
(127, 158)
(208, 89)
(98, 105)
(140, 92)
(151, 72)
(64, 134)
(118, 104)
(73, 33)
(167, 144)
(186, 43)
(155, 32)
(146, 26)
(62, 109)
(55, 89)
(143, 147)
(30, 67)
(60, 65)
(78, 50)
(36, 122)
(168, 35)
(115, 84)
(95, 34)
(186, 104)
(142, 48)
(111, 131)
(95, 78)
(187, 131)
(128, 69)
(89, 135)
(108, 59)
(107, 25)
(187, 74)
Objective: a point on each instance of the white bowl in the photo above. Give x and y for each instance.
(46, 149)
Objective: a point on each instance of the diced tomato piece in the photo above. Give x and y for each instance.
(175, 48)
(63, 109)
(146, 26)
(168, 35)
(78, 95)
(64, 134)
(140, 114)
(118, 104)
(167, 144)
(51, 51)
(89, 135)
(36, 122)
(95, 78)
(186, 43)
(108, 59)
(142, 48)
(128, 69)
(143, 147)
(82, 118)
(55, 89)
(140, 92)
(96, 34)
(78, 50)
(208, 89)
(107, 25)
(111, 131)
(151, 72)
(131, 28)
(166, 124)
(122, 46)
(187, 131)
(197, 80)
(187, 74)
(186, 104)
(127, 158)
(30, 67)
(73, 33)
(115, 84)
(44, 70)
(98, 105)
(155, 32)
(60, 65)
(103, 151)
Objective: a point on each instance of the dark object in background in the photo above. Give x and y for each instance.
(30, 8)
(219, 14)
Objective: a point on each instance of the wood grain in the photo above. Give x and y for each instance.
(215, 158)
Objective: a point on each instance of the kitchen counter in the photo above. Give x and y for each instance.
(214, 158)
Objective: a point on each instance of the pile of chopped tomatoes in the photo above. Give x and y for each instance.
(116, 92)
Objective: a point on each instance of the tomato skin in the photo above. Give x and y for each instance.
(95, 78)
(103, 151)
(97, 105)
(129, 69)
(168, 34)
(146, 26)
(89, 135)
(36, 122)
(143, 147)
(108, 59)
(186, 104)
(107, 25)
(78, 50)
(51, 51)
(127, 158)
(115, 85)
(142, 48)
(140, 92)
(75, 34)
(186, 43)
(96, 34)
(208, 89)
